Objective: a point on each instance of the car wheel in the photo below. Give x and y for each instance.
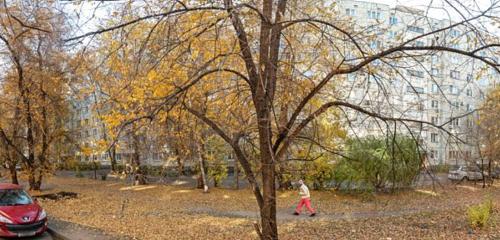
(465, 179)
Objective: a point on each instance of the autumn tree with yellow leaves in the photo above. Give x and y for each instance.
(33, 87)
(489, 129)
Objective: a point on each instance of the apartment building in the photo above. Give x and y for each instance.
(438, 87)
(89, 131)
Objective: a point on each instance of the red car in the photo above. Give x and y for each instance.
(20, 215)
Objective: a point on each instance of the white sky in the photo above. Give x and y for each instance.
(440, 9)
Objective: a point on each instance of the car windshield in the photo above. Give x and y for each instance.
(13, 197)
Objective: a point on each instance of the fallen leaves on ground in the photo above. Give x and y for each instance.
(172, 212)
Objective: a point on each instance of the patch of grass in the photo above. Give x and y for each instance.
(479, 215)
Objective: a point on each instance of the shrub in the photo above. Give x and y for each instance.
(441, 168)
(378, 163)
(74, 165)
(319, 173)
(151, 170)
(479, 215)
(216, 153)
(217, 172)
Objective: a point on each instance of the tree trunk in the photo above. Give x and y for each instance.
(201, 157)
(139, 177)
(283, 183)
(94, 165)
(39, 180)
(180, 163)
(236, 175)
(112, 157)
(13, 174)
(32, 180)
(268, 209)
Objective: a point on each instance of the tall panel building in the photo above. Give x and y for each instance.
(438, 87)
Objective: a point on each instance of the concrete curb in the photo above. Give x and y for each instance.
(55, 235)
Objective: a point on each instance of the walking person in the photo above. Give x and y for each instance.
(305, 199)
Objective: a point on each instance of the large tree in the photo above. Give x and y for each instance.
(34, 85)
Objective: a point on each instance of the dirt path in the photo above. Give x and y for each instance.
(286, 216)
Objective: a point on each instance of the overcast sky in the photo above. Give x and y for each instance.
(440, 9)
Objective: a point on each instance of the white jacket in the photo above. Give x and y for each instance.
(304, 191)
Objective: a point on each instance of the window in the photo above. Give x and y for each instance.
(469, 92)
(456, 105)
(435, 88)
(435, 59)
(468, 107)
(469, 77)
(434, 137)
(454, 155)
(411, 89)
(434, 104)
(393, 20)
(373, 14)
(455, 74)
(433, 154)
(14, 197)
(453, 90)
(435, 72)
(420, 107)
(350, 12)
(454, 33)
(415, 73)
(454, 122)
(456, 60)
(469, 123)
(392, 34)
(415, 29)
(374, 44)
(419, 43)
(351, 77)
(434, 120)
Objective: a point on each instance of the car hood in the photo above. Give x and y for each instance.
(22, 213)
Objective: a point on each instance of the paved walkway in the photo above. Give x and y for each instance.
(75, 231)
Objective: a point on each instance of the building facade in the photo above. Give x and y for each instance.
(91, 137)
(439, 87)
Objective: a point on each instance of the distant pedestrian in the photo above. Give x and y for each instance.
(305, 199)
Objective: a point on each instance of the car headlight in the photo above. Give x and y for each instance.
(42, 215)
(4, 219)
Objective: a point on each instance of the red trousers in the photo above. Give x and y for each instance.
(307, 202)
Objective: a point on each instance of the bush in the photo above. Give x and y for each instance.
(441, 168)
(319, 173)
(217, 172)
(378, 163)
(74, 165)
(151, 170)
(479, 215)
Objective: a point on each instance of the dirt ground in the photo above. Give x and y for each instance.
(177, 212)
